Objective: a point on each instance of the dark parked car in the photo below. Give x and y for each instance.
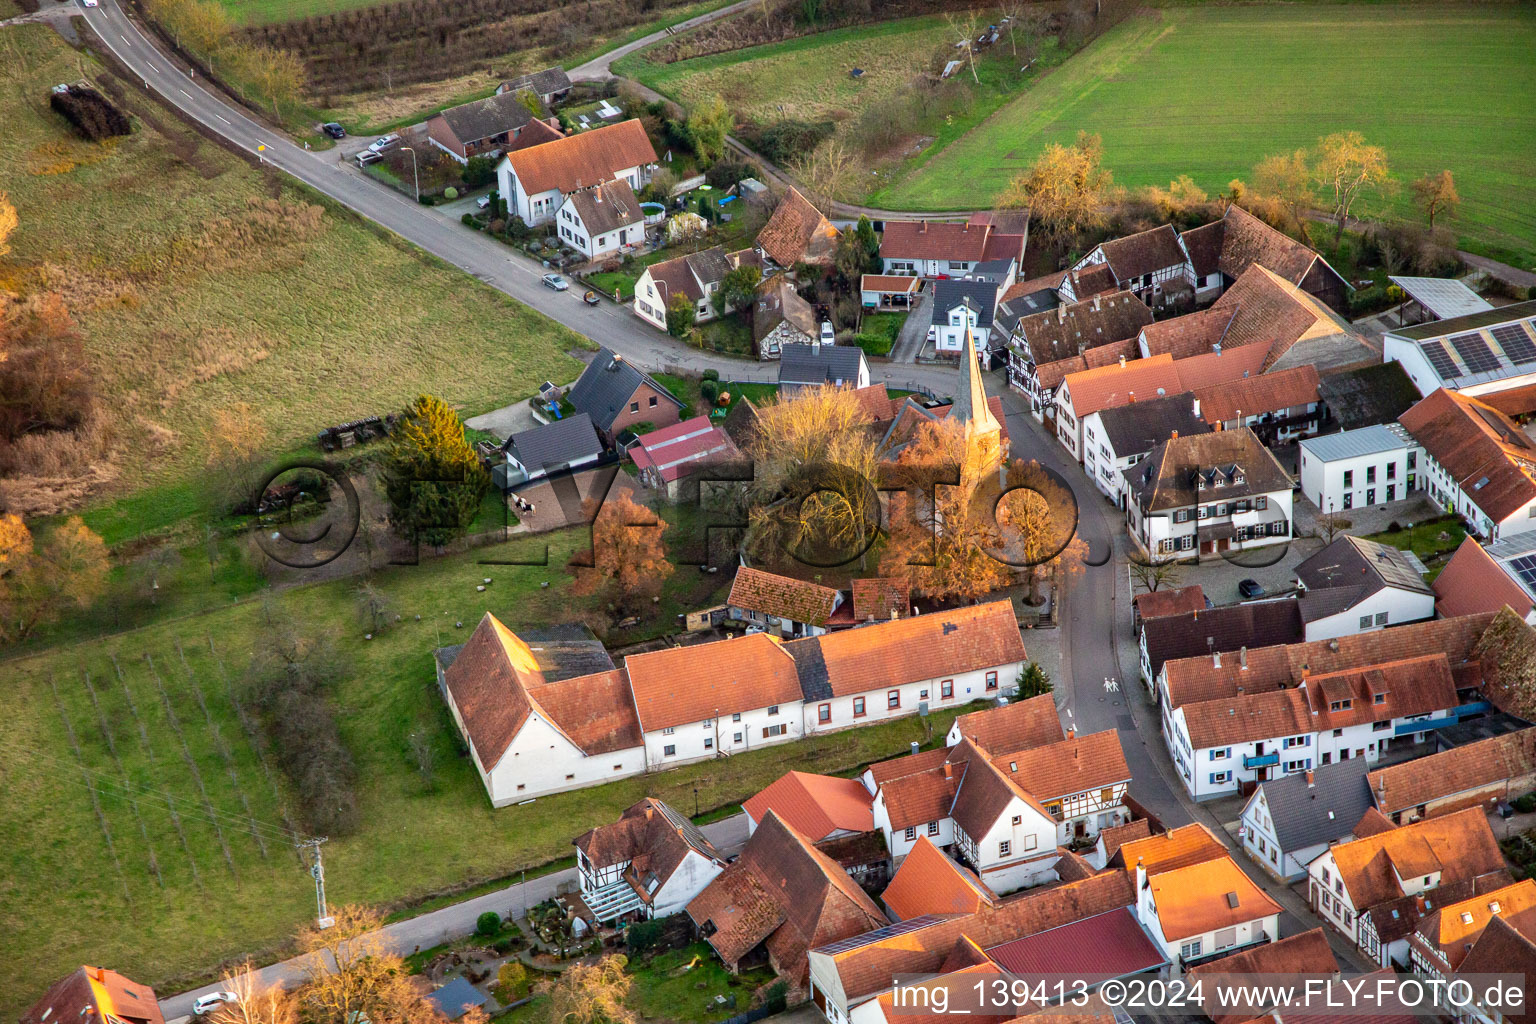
(1249, 588)
(334, 130)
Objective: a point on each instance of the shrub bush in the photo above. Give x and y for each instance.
(1525, 804)
(711, 374)
(468, 220)
(710, 390)
(450, 193)
(480, 170)
(783, 141)
(488, 923)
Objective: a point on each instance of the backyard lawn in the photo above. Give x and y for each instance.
(1207, 90)
(1434, 541)
(149, 719)
(200, 282)
(878, 331)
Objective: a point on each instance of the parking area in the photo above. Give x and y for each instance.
(1273, 567)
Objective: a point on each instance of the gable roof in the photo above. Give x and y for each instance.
(1502, 948)
(95, 995)
(1483, 450)
(1319, 806)
(582, 160)
(1192, 334)
(682, 685)
(1070, 330)
(815, 364)
(1170, 601)
(1165, 479)
(784, 891)
(1108, 945)
(1145, 252)
(1487, 762)
(1206, 897)
(921, 946)
(1453, 928)
(1020, 725)
(960, 241)
(542, 83)
(651, 835)
(880, 597)
(781, 596)
(1271, 311)
(498, 679)
(1115, 385)
(1094, 279)
(777, 302)
(1460, 846)
(797, 232)
(681, 448)
(483, 119)
(1365, 564)
(1117, 836)
(1141, 426)
(979, 296)
(814, 805)
(928, 882)
(1197, 679)
(604, 388)
(1246, 240)
(607, 207)
(553, 444)
(1473, 582)
(1365, 395)
(1168, 851)
(985, 792)
(918, 788)
(888, 654)
(1306, 953)
(1266, 393)
(1067, 767)
(1050, 375)
(1249, 717)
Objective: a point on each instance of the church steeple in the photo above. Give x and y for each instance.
(983, 434)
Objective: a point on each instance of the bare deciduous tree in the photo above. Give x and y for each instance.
(1436, 194)
(256, 1002)
(1153, 576)
(1286, 179)
(1346, 169)
(593, 994)
(964, 25)
(827, 173)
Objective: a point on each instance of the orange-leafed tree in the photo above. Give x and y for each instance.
(1065, 190)
(37, 583)
(629, 553)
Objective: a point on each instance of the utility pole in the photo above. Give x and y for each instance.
(317, 871)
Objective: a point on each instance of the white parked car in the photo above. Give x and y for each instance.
(90, 3)
(828, 335)
(383, 142)
(212, 1001)
(483, 202)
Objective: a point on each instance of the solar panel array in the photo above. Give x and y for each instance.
(1516, 343)
(1474, 351)
(1525, 568)
(1440, 359)
(880, 934)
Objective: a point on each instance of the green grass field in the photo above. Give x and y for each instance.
(200, 282)
(1208, 91)
(69, 899)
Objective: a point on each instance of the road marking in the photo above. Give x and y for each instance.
(186, 94)
(221, 117)
(124, 38)
(153, 68)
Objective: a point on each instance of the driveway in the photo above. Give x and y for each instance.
(597, 68)
(506, 421)
(914, 330)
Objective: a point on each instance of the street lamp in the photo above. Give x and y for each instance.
(415, 174)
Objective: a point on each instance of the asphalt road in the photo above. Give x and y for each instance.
(489, 261)
(598, 67)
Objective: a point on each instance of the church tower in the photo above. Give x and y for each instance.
(983, 434)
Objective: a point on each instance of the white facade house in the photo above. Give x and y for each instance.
(1122, 436)
(1355, 585)
(1479, 354)
(602, 221)
(677, 862)
(1478, 463)
(695, 277)
(1153, 264)
(1002, 835)
(1207, 494)
(1289, 821)
(536, 181)
(1360, 468)
(1204, 911)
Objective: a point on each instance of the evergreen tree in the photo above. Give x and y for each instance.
(432, 477)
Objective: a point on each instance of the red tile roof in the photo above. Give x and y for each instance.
(1452, 929)
(1110, 945)
(1112, 386)
(1062, 769)
(880, 597)
(1144, 252)
(683, 685)
(674, 451)
(782, 596)
(952, 990)
(930, 646)
(1473, 582)
(888, 283)
(1117, 836)
(1473, 766)
(1192, 334)
(1049, 375)
(1247, 240)
(582, 160)
(815, 805)
(1093, 280)
(1482, 449)
(1207, 897)
(1276, 314)
(595, 711)
(797, 232)
(928, 882)
(986, 793)
(1307, 953)
(1460, 846)
(95, 995)
(1170, 601)
(1191, 844)
(1267, 393)
(1017, 726)
(946, 240)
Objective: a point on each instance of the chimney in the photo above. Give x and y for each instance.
(1242, 656)
(1095, 303)
(1071, 731)
(649, 811)
(914, 746)
(1061, 314)
(1310, 782)
(949, 770)
(1216, 348)
(1216, 659)
(1173, 436)
(1197, 408)
(1122, 361)
(922, 227)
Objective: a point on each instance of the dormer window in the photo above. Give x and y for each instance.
(1380, 698)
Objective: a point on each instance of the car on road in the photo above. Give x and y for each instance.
(212, 1001)
(334, 130)
(1249, 588)
(90, 3)
(556, 282)
(384, 142)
